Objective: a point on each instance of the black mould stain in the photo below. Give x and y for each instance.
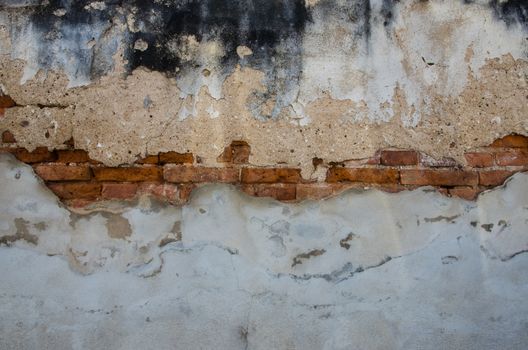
(261, 25)
(511, 11)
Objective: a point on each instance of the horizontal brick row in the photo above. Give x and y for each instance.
(171, 176)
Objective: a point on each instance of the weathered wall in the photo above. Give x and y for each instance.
(119, 119)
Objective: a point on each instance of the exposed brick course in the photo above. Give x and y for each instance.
(365, 175)
(75, 190)
(437, 177)
(186, 174)
(127, 174)
(399, 157)
(62, 172)
(270, 175)
(79, 180)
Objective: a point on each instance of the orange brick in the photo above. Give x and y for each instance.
(160, 190)
(119, 190)
(399, 157)
(8, 137)
(281, 192)
(467, 193)
(6, 101)
(511, 141)
(128, 174)
(237, 153)
(512, 157)
(318, 190)
(494, 177)
(366, 175)
(176, 158)
(75, 190)
(437, 177)
(61, 172)
(39, 155)
(479, 159)
(186, 174)
(149, 160)
(271, 175)
(72, 156)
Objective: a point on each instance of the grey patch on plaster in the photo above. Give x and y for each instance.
(442, 218)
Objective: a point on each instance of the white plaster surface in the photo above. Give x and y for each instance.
(420, 272)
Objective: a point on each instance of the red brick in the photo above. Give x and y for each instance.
(281, 192)
(186, 191)
(318, 190)
(467, 193)
(479, 159)
(271, 175)
(399, 157)
(149, 160)
(8, 137)
(511, 141)
(119, 190)
(366, 175)
(75, 190)
(192, 174)
(176, 158)
(6, 101)
(72, 156)
(160, 190)
(512, 157)
(237, 153)
(494, 177)
(39, 155)
(437, 177)
(128, 174)
(61, 172)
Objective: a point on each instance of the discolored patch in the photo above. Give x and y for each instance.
(117, 226)
(22, 233)
(303, 256)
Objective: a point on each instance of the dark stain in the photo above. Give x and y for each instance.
(511, 11)
(473, 223)
(344, 242)
(449, 259)
(487, 227)
(449, 219)
(22, 233)
(303, 256)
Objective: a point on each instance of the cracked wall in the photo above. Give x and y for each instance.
(148, 129)
(417, 269)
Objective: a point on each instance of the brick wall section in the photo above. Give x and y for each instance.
(172, 176)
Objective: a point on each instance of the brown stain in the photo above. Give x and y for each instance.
(297, 260)
(22, 233)
(117, 226)
(344, 242)
(41, 226)
(174, 236)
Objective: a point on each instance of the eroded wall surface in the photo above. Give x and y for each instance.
(144, 125)
(363, 270)
(296, 79)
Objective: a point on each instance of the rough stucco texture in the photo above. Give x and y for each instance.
(330, 79)
(363, 270)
